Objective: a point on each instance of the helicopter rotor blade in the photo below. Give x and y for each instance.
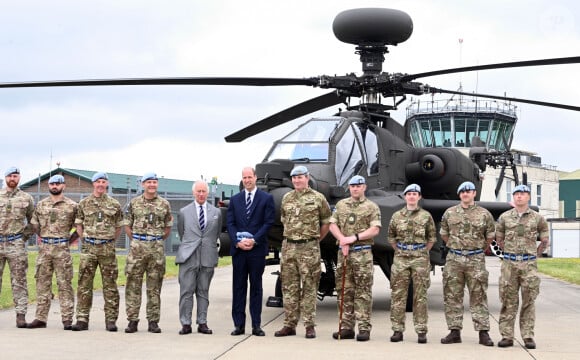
(294, 112)
(433, 90)
(232, 81)
(539, 62)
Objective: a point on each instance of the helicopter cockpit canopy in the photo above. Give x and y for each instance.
(314, 142)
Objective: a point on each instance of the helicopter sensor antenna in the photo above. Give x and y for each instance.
(372, 29)
(371, 58)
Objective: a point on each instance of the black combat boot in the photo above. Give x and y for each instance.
(80, 326)
(36, 324)
(454, 337)
(484, 338)
(153, 327)
(20, 321)
(132, 327)
(111, 326)
(397, 336)
(529, 343)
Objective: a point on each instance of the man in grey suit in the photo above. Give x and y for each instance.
(199, 226)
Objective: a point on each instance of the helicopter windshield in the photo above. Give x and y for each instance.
(309, 142)
(349, 158)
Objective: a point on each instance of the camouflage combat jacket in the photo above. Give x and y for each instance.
(302, 213)
(467, 229)
(99, 216)
(149, 217)
(55, 219)
(16, 208)
(353, 217)
(520, 233)
(411, 227)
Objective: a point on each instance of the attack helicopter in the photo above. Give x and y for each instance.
(360, 138)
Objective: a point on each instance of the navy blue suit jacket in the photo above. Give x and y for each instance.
(262, 213)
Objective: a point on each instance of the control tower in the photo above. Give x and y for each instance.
(455, 122)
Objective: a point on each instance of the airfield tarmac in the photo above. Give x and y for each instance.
(557, 329)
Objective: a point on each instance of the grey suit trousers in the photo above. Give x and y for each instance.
(194, 279)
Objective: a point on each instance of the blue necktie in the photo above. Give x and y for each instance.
(248, 204)
(201, 218)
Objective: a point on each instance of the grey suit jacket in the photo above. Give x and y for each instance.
(203, 246)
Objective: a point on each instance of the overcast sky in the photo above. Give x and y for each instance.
(178, 131)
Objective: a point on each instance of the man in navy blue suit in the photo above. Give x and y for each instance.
(250, 216)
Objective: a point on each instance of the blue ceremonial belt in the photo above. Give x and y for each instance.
(358, 247)
(10, 237)
(411, 246)
(54, 241)
(466, 252)
(518, 257)
(94, 241)
(144, 237)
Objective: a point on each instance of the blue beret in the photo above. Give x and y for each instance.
(299, 170)
(357, 180)
(56, 179)
(521, 188)
(100, 175)
(465, 186)
(412, 188)
(12, 170)
(149, 176)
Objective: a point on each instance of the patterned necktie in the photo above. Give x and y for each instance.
(201, 218)
(248, 204)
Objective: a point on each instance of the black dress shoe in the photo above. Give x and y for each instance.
(258, 332)
(185, 329)
(238, 330)
(202, 328)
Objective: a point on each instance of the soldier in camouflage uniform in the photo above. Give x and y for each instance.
(147, 223)
(517, 231)
(411, 234)
(53, 220)
(305, 215)
(354, 224)
(16, 208)
(98, 223)
(467, 230)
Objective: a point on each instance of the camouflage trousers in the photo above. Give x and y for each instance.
(403, 270)
(102, 256)
(145, 257)
(300, 275)
(14, 253)
(459, 272)
(358, 286)
(516, 275)
(54, 259)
